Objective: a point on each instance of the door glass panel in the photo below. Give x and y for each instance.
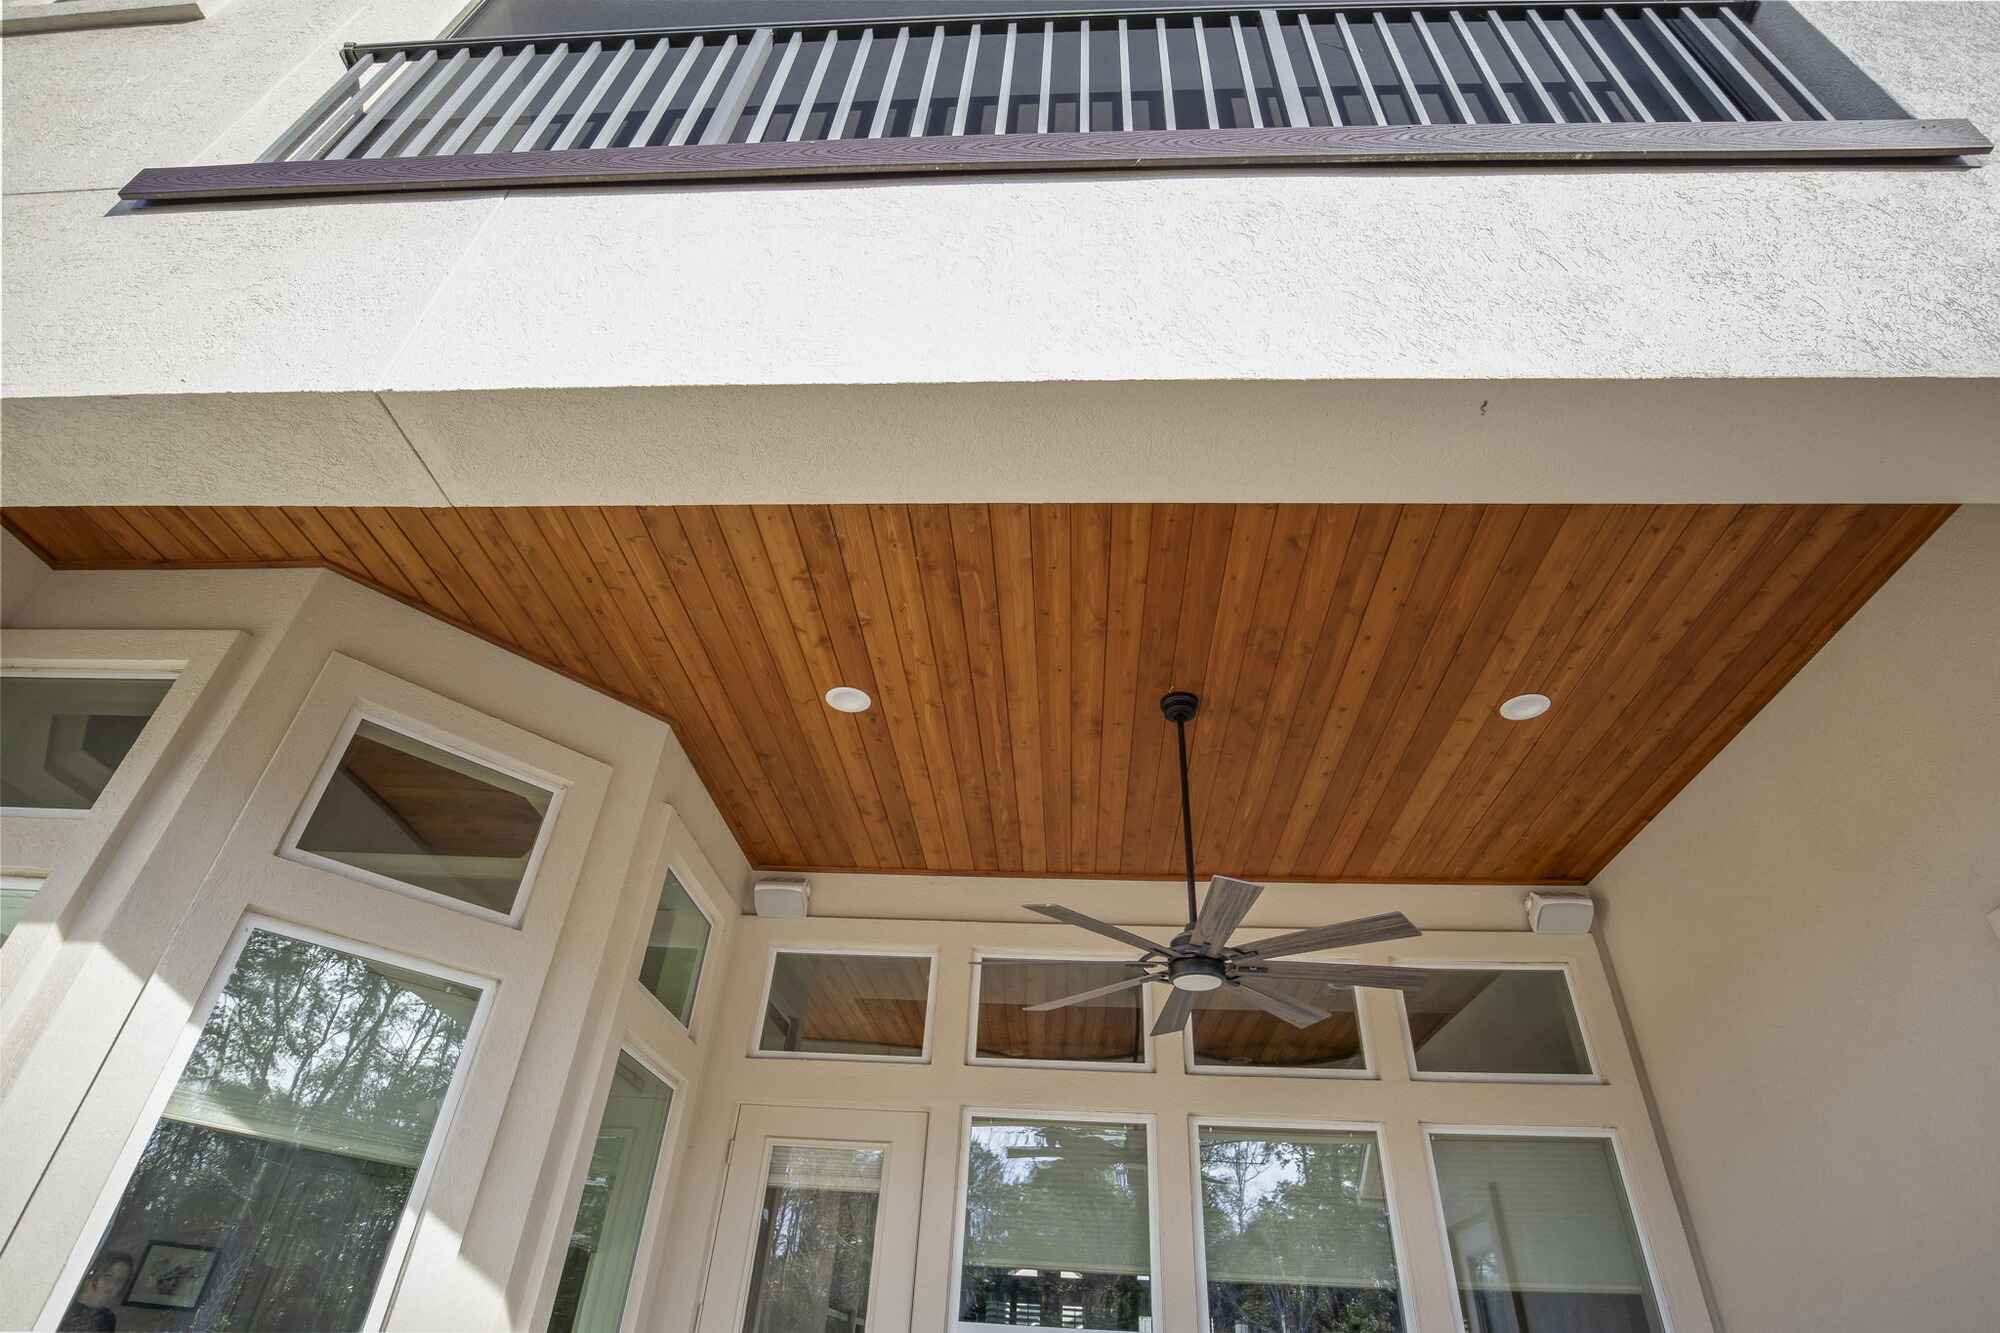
(1496, 1021)
(604, 1242)
(1295, 1231)
(62, 737)
(1542, 1237)
(271, 1188)
(671, 968)
(815, 1254)
(423, 816)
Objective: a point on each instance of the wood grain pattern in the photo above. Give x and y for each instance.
(1350, 660)
(1354, 145)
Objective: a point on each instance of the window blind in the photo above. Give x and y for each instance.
(1295, 1208)
(1058, 1195)
(798, 1166)
(1538, 1214)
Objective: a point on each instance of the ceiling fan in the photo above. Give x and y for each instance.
(1200, 960)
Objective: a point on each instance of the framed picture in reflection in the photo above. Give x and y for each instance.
(171, 1276)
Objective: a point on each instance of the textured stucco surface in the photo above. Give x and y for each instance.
(1801, 942)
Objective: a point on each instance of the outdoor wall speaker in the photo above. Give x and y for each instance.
(1557, 913)
(784, 899)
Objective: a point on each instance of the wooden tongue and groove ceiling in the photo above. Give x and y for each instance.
(1350, 659)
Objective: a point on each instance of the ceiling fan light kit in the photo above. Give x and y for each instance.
(1200, 960)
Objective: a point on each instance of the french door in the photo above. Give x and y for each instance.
(819, 1223)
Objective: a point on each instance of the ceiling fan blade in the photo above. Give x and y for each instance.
(1078, 998)
(1343, 974)
(1222, 911)
(1059, 962)
(1365, 930)
(1270, 1001)
(1174, 1013)
(1091, 923)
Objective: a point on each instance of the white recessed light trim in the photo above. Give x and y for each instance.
(847, 699)
(1524, 706)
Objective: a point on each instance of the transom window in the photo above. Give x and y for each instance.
(410, 815)
(1496, 1023)
(1228, 1035)
(62, 735)
(287, 1164)
(675, 950)
(1109, 1030)
(1295, 1231)
(1057, 1224)
(846, 1006)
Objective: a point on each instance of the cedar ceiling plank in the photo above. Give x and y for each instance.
(213, 523)
(1460, 644)
(1054, 627)
(699, 565)
(381, 570)
(767, 553)
(1194, 635)
(1787, 544)
(1383, 849)
(325, 542)
(1090, 574)
(1166, 565)
(602, 576)
(1527, 749)
(1498, 745)
(972, 548)
(546, 544)
(1286, 559)
(1321, 578)
(937, 563)
(517, 624)
(1799, 604)
(1125, 614)
(147, 521)
(811, 530)
(513, 566)
(729, 540)
(437, 554)
(431, 589)
(1436, 596)
(861, 558)
(131, 541)
(278, 526)
(647, 550)
(191, 536)
(1632, 647)
(910, 622)
(1404, 561)
(254, 535)
(1244, 568)
(1013, 567)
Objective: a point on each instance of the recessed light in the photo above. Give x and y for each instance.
(1524, 706)
(847, 699)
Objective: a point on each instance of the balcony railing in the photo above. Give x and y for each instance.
(1175, 86)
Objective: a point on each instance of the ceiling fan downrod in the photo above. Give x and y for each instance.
(1180, 707)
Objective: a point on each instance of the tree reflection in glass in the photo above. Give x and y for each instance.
(291, 1142)
(815, 1253)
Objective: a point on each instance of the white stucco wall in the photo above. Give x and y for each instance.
(368, 309)
(21, 572)
(1802, 944)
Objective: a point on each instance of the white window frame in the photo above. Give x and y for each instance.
(742, 1295)
(1278, 1126)
(1368, 1071)
(680, 857)
(162, 672)
(1144, 1065)
(630, 1043)
(1058, 1116)
(412, 729)
(1632, 1210)
(92, 1236)
(930, 957)
(1596, 1074)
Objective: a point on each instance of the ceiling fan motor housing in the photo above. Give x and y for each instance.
(1196, 973)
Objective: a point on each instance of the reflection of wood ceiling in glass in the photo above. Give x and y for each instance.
(450, 813)
(1349, 658)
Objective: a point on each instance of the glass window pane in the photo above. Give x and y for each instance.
(1542, 1239)
(815, 1253)
(62, 737)
(1295, 1231)
(1231, 1033)
(604, 1241)
(1057, 1226)
(1110, 1029)
(423, 816)
(1511, 1021)
(272, 1186)
(671, 968)
(846, 1004)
